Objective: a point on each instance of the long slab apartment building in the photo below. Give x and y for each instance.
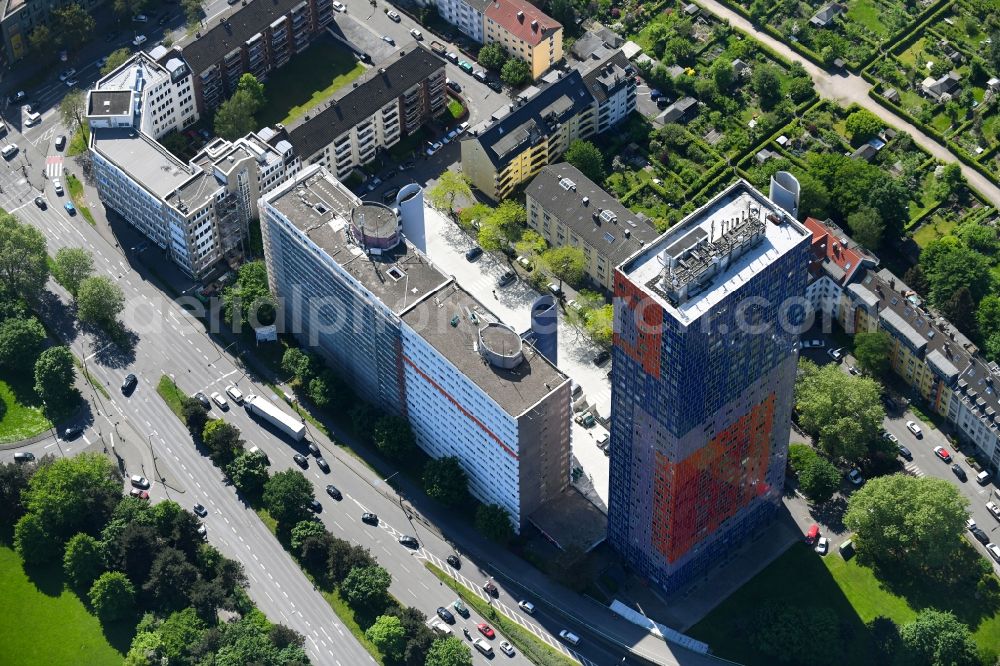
(257, 38)
(385, 104)
(197, 212)
(410, 340)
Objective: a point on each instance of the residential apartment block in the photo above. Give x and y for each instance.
(525, 32)
(569, 209)
(466, 15)
(835, 263)
(257, 38)
(702, 390)
(19, 18)
(198, 212)
(407, 338)
(928, 352)
(611, 80)
(384, 105)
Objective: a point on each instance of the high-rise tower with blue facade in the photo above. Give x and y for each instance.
(706, 320)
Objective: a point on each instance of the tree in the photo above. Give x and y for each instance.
(961, 311)
(170, 579)
(388, 636)
(305, 529)
(14, 479)
(54, 377)
(586, 157)
(843, 411)
(914, 277)
(470, 217)
(42, 41)
(76, 494)
(503, 226)
(938, 638)
(234, 117)
(71, 266)
(800, 89)
(492, 56)
(819, 480)
(393, 437)
(222, 440)
(297, 363)
(567, 264)
(254, 89)
(180, 633)
(128, 8)
(863, 125)
(33, 542)
(99, 301)
(249, 473)
(446, 481)
(531, 244)
(493, 522)
(24, 267)
(872, 351)
(449, 652)
(73, 26)
(814, 198)
(115, 60)
(853, 184)
(721, 73)
(599, 322)
(979, 237)
(325, 387)
(885, 637)
(83, 560)
(287, 496)
(21, 341)
(867, 227)
(904, 520)
(950, 182)
(766, 83)
(515, 72)
(192, 11)
(195, 416)
(451, 184)
(949, 265)
(112, 596)
(249, 297)
(367, 588)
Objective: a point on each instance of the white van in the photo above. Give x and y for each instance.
(9, 151)
(33, 118)
(569, 637)
(483, 647)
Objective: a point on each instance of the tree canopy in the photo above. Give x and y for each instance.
(493, 522)
(863, 125)
(99, 301)
(449, 651)
(54, 377)
(24, 267)
(949, 265)
(515, 72)
(492, 56)
(818, 478)
(388, 635)
(393, 437)
(586, 157)
(72, 26)
(450, 185)
(844, 412)
(115, 60)
(872, 351)
(917, 522)
(249, 298)
(853, 184)
(71, 266)
(112, 596)
(21, 341)
(287, 496)
(446, 481)
(366, 587)
(83, 560)
(568, 264)
(938, 638)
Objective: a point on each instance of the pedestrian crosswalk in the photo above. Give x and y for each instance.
(913, 470)
(54, 166)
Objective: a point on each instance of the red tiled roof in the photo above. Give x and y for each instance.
(828, 245)
(532, 26)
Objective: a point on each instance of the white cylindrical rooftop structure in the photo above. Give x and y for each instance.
(501, 346)
(785, 192)
(410, 202)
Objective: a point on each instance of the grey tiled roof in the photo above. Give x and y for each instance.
(243, 24)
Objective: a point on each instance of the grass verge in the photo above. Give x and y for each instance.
(172, 396)
(532, 648)
(76, 194)
(42, 622)
(79, 142)
(91, 379)
(19, 420)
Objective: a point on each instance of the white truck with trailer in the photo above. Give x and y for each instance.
(265, 409)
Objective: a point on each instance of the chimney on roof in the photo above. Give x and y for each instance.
(520, 16)
(534, 26)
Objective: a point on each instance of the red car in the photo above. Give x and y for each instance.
(942, 453)
(138, 492)
(812, 534)
(486, 630)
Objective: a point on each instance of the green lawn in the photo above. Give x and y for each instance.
(854, 592)
(308, 79)
(171, 395)
(42, 623)
(76, 194)
(19, 418)
(909, 56)
(933, 229)
(866, 12)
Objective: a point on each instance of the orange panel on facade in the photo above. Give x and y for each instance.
(645, 349)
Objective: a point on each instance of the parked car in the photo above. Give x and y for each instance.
(339, 7)
(915, 429)
(454, 86)
(994, 551)
(602, 357)
(315, 506)
(202, 532)
(981, 536)
(389, 195)
(452, 56)
(139, 481)
(334, 492)
(569, 637)
(959, 472)
(314, 450)
(72, 82)
(445, 615)
(473, 253)
(441, 628)
(388, 40)
(129, 384)
(506, 648)
(889, 436)
(301, 460)
(60, 142)
(369, 518)
(905, 452)
(993, 509)
(855, 477)
(9, 151)
(555, 290)
(67, 74)
(505, 279)
(465, 66)
(491, 589)
(23, 456)
(140, 18)
(139, 40)
(942, 453)
(17, 98)
(483, 647)
(823, 545)
(72, 432)
(138, 493)
(416, 34)
(812, 534)
(494, 85)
